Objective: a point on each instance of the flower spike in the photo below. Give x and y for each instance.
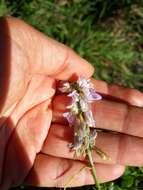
(81, 118)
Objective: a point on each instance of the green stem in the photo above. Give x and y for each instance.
(93, 169)
(89, 155)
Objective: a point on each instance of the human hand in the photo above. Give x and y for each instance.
(30, 64)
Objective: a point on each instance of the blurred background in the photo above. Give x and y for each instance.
(109, 34)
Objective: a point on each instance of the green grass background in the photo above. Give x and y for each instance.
(109, 34)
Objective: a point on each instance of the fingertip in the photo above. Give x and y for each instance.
(75, 66)
(114, 92)
(116, 171)
(135, 97)
(105, 173)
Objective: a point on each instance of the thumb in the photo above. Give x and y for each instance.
(61, 62)
(48, 56)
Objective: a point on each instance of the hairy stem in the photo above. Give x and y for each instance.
(97, 184)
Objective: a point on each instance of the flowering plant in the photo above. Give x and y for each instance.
(80, 117)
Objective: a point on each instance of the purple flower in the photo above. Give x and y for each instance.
(70, 117)
(74, 95)
(80, 116)
(78, 141)
(75, 98)
(87, 89)
(92, 96)
(83, 82)
(77, 145)
(89, 118)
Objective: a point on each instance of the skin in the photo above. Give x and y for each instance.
(33, 133)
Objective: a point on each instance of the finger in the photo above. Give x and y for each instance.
(23, 145)
(122, 149)
(128, 95)
(109, 115)
(49, 57)
(51, 171)
(40, 89)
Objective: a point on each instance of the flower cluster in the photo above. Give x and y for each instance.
(80, 115)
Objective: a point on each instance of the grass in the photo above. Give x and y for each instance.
(108, 34)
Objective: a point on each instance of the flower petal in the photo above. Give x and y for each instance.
(93, 96)
(83, 82)
(70, 117)
(74, 95)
